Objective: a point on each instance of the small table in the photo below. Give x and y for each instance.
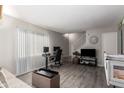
(76, 60)
(43, 78)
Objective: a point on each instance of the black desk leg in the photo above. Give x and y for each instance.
(46, 62)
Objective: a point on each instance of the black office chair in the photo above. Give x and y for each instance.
(57, 57)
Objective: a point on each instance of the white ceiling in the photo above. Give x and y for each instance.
(68, 18)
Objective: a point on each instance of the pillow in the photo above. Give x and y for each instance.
(3, 80)
(1, 85)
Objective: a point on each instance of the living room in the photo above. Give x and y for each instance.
(68, 41)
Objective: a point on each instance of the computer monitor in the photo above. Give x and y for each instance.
(45, 49)
(56, 48)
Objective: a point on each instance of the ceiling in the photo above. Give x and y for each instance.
(68, 18)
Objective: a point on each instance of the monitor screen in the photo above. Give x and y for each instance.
(88, 52)
(56, 48)
(45, 49)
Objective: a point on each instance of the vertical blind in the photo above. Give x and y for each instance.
(29, 50)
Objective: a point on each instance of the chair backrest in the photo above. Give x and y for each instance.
(58, 55)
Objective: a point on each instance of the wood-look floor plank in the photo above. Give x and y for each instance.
(77, 76)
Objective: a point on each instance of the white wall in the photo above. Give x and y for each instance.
(58, 39)
(95, 32)
(7, 33)
(109, 44)
(98, 32)
(76, 40)
(8, 27)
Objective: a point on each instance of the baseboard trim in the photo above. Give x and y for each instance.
(100, 65)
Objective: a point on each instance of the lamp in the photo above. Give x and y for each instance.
(1, 8)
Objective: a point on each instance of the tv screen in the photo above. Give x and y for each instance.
(56, 48)
(88, 52)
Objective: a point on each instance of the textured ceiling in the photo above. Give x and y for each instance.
(68, 18)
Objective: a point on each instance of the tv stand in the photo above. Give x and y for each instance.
(88, 60)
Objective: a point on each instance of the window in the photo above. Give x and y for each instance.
(30, 43)
(29, 49)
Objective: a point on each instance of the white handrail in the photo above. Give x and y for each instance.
(106, 67)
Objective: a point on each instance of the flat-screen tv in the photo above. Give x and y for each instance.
(88, 52)
(56, 48)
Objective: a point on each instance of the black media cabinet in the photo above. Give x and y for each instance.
(88, 60)
(88, 57)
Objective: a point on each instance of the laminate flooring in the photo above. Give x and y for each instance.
(76, 76)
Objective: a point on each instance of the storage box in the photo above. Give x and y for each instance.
(46, 79)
